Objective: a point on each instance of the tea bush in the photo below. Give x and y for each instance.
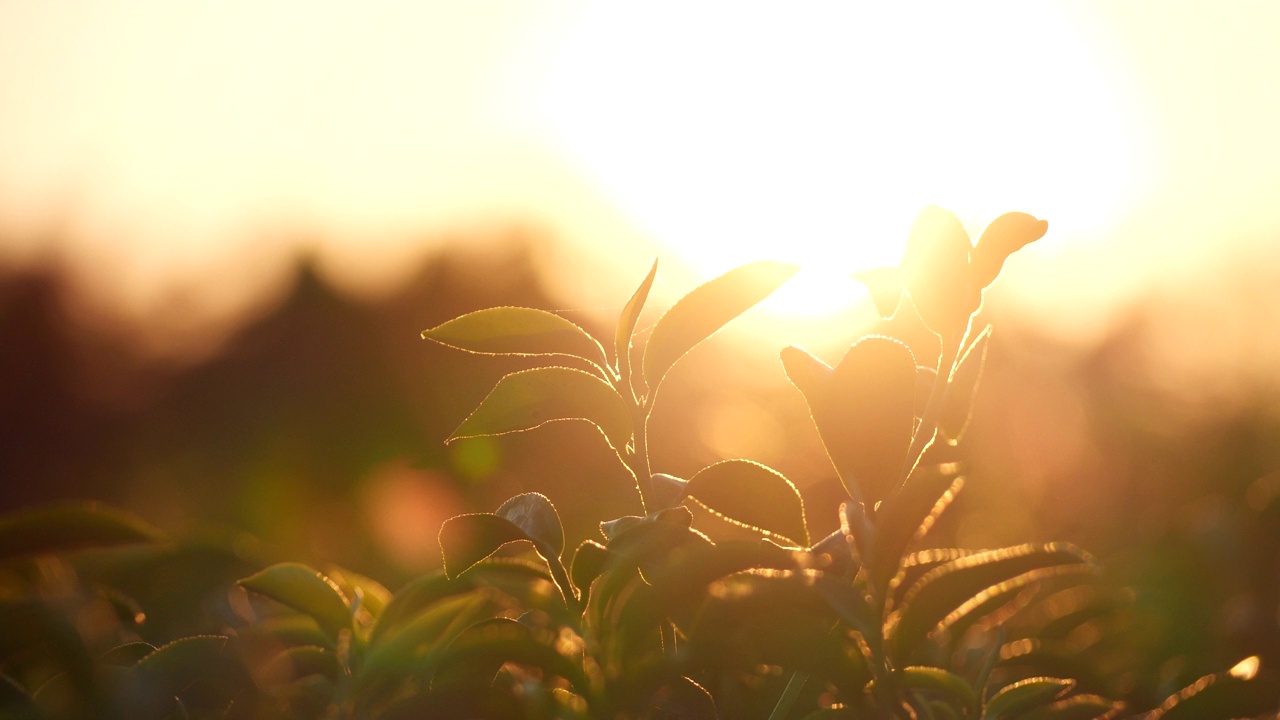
(102, 616)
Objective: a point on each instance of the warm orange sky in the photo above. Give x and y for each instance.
(185, 146)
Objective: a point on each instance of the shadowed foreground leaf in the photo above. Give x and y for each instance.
(751, 494)
(530, 398)
(467, 539)
(517, 331)
(305, 590)
(705, 310)
(40, 531)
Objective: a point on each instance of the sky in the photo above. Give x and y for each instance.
(188, 151)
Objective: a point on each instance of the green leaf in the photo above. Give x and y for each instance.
(1004, 236)
(172, 668)
(534, 514)
(629, 317)
(945, 588)
(486, 646)
(1024, 695)
(964, 386)
(531, 398)
(517, 331)
(705, 310)
(753, 495)
(863, 409)
(588, 562)
(938, 680)
(373, 595)
(299, 662)
(935, 271)
(65, 528)
(304, 589)
(416, 645)
(905, 516)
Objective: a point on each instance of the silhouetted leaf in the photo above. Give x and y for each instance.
(753, 495)
(947, 587)
(1024, 695)
(667, 489)
(47, 530)
(1004, 236)
(537, 517)
(678, 515)
(706, 309)
(885, 287)
(491, 643)
(517, 331)
(305, 590)
(906, 516)
(530, 398)
(863, 409)
(964, 386)
(588, 562)
(630, 315)
(935, 271)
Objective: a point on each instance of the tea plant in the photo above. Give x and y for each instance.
(652, 619)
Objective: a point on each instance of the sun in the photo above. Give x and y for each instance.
(815, 135)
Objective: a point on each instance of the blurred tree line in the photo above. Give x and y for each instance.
(318, 430)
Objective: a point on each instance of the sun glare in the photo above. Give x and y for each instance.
(815, 135)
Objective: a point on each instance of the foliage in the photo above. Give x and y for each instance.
(653, 619)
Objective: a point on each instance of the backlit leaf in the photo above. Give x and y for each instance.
(126, 655)
(467, 539)
(1024, 695)
(1220, 696)
(530, 398)
(173, 667)
(1076, 707)
(537, 517)
(40, 531)
(944, 589)
(863, 409)
(297, 586)
(939, 680)
(1004, 236)
(907, 515)
(885, 288)
(517, 331)
(588, 562)
(630, 316)
(706, 309)
(935, 271)
(753, 495)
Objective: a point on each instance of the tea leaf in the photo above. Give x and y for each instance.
(415, 646)
(863, 409)
(298, 662)
(706, 309)
(297, 586)
(491, 643)
(1024, 695)
(907, 515)
(126, 655)
(374, 596)
(629, 317)
(537, 517)
(944, 589)
(935, 270)
(964, 386)
(885, 287)
(588, 562)
(14, 698)
(939, 680)
(467, 539)
(65, 528)
(173, 667)
(753, 495)
(1004, 236)
(517, 331)
(531, 398)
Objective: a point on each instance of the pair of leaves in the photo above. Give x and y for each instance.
(864, 410)
(943, 273)
(467, 539)
(528, 399)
